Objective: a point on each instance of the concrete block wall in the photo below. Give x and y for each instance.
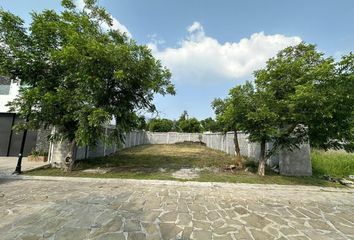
(297, 162)
(42, 143)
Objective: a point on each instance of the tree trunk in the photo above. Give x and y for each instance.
(238, 162)
(262, 159)
(70, 157)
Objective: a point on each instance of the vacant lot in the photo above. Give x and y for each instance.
(163, 161)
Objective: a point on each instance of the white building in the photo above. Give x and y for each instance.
(9, 89)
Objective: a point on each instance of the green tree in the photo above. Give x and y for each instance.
(210, 125)
(78, 75)
(160, 125)
(261, 124)
(231, 113)
(184, 116)
(139, 123)
(312, 94)
(304, 97)
(190, 125)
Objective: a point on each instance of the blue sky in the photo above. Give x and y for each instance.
(211, 46)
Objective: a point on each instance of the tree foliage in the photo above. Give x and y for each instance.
(312, 96)
(299, 96)
(187, 124)
(78, 75)
(190, 125)
(210, 125)
(160, 125)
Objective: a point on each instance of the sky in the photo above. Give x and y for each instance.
(211, 46)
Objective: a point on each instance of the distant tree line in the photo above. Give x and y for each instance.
(183, 124)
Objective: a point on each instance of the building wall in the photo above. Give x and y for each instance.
(13, 91)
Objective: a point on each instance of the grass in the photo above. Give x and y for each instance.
(160, 161)
(333, 163)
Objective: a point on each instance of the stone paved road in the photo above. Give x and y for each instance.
(123, 209)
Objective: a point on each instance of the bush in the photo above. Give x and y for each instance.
(333, 163)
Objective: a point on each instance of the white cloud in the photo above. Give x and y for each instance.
(202, 59)
(116, 25)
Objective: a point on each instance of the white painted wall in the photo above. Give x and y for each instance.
(4, 99)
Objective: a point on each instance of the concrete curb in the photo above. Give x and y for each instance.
(263, 187)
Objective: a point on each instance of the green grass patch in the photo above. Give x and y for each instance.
(333, 163)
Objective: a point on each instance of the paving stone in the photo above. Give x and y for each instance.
(277, 219)
(260, 235)
(97, 210)
(186, 235)
(131, 226)
(222, 237)
(71, 233)
(242, 234)
(233, 222)
(318, 224)
(201, 225)
(169, 230)
(297, 238)
(169, 217)
(256, 221)
(349, 230)
(31, 237)
(110, 236)
(199, 216)
(150, 228)
(201, 235)
(136, 236)
(112, 225)
(213, 215)
(225, 230)
(196, 208)
(218, 223)
(184, 219)
(150, 216)
(309, 214)
(289, 231)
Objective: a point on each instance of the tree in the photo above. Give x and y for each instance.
(78, 75)
(187, 124)
(231, 113)
(184, 116)
(160, 125)
(139, 123)
(261, 123)
(190, 125)
(305, 97)
(210, 125)
(313, 96)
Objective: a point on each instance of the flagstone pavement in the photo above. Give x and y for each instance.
(57, 208)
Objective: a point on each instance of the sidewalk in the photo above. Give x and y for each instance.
(8, 165)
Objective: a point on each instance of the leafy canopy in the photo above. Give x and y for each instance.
(160, 125)
(312, 96)
(77, 75)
